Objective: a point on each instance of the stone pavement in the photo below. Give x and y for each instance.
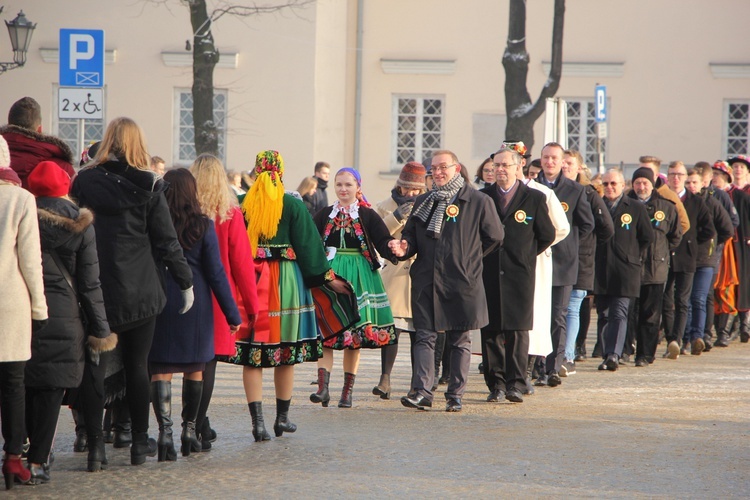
(676, 429)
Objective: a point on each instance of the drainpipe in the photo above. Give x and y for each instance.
(358, 82)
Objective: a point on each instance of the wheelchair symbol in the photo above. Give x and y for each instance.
(90, 107)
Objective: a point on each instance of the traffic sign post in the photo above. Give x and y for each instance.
(600, 115)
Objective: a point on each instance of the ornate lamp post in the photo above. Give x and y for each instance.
(20, 30)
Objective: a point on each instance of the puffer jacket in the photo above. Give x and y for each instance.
(133, 231)
(28, 148)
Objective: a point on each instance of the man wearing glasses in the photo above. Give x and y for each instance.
(654, 164)
(451, 228)
(572, 197)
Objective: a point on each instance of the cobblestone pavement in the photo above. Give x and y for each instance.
(676, 429)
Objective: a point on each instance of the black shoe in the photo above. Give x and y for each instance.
(383, 389)
(39, 474)
(744, 337)
(611, 363)
(541, 381)
(481, 368)
(418, 402)
(444, 380)
(707, 344)
(207, 433)
(282, 423)
(123, 439)
(81, 443)
(514, 395)
(721, 341)
(259, 426)
(553, 379)
(640, 363)
(97, 459)
(495, 396)
(142, 447)
(625, 358)
(453, 405)
(529, 391)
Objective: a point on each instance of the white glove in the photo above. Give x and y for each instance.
(187, 300)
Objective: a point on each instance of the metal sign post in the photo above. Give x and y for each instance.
(600, 114)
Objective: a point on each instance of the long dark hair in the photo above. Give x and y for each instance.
(182, 198)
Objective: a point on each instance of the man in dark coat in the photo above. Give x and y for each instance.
(451, 228)
(682, 270)
(645, 312)
(740, 193)
(572, 196)
(320, 198)
(508, 277)
(618, 265)
(28, 145)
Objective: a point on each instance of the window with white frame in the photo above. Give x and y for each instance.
(184, 133)
(737, 128)
(582, 129)
(417, 128)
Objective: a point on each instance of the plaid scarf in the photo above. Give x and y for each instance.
(439, 196)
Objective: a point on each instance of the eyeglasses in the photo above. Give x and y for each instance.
(504, 166)
(676, 174)
(613, 183)
(488, 170)
(442, 168)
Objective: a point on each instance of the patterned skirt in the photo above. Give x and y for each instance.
(375, 329)
(286, 332)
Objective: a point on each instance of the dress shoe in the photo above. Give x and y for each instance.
(707, 344)
(541, 381)
(553, 379)
(744, 337)
(640, 363)
(383, 389)
(625, 358)
(495, 396)
(721, 341)
(697, 346)
(611, 363)
(514, 395)
(453, 405)
(418, 402)
(81, 442)
(39, 474)
(529, 388)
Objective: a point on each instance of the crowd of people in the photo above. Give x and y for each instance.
(123, 273)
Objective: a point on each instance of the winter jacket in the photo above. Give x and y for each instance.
(57, 350)
(701, 230)
(710, 251)
(28, 148)
(319, 198)
(603, 231)
(133, 231)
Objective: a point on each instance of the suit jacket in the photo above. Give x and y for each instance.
(618, 261)
(509, 271)
(701, 230)
(572, 196)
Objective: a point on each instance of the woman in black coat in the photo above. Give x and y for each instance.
(133, 232)
(71, 277)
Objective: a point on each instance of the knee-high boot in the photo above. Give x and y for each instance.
(282, 423)
(161, 400)
(322, 396)
(744, 318)
(259, 426)
(192, 390)
(346, 392)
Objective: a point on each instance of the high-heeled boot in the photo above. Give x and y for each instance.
(14, 471)
(383, 389)
(142, 447)
(282, 423)
(161, 400)
(346, 392)
(97, 459)
(322, 396)
(259, 426)
(192, 390)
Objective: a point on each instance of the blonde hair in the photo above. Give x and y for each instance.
(124, 140)
(215, 196)
(307, 185)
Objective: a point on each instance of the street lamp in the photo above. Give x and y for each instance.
(20, 30)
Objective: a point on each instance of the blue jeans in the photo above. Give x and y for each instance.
(696, 315)
(573, 321)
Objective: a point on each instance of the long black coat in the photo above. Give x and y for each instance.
(701, 230)
(509, 271)
(603, 231)
(618, 261)
(741, 200)
(709, 252)
(572, 196)
(57, 350)
(133, 231)
(447, 289)
(667, 236)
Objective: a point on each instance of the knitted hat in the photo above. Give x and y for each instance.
(412, 176)
(724, 167)
(4, 153)
(644, 172)
(48, 179)
(739, 158)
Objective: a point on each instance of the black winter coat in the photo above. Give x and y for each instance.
(710, 252)
(510, 270)
(603, 231)
(618, 261)
(319, 199)
(133, 231)
(667, 236)
(447, 292)
(701, 230)
(57, 350)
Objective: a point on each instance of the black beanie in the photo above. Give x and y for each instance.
(644, 172)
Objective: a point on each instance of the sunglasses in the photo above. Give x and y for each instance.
(613, 183)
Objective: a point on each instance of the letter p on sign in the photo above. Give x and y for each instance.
(81, 48)
(81, 58)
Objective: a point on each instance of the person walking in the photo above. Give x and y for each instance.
(133, 231)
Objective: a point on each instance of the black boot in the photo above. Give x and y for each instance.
(192, 390)
(346, 392)
(383, 389)
(282, 423)
(161, 400)
(107, 433)
(142, 447)
(97, 459)
(529, 369)
(322, 396)
(259, 426)
(744, 320)
(123, 426)
(733, 327)
(80, 444)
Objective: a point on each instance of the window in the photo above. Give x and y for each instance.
(582, 130)
(418, 128)
(737, 128)
(184, 144)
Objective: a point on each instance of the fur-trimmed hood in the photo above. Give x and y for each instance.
(66, 152)
(60, 220)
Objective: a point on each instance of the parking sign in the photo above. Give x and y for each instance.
(600, 103)
(81, 58)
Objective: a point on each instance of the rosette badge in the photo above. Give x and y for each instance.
(626, 220)
(521, 217)
(451, 212)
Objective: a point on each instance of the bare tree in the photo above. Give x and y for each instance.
(205, 57)
(522, 113)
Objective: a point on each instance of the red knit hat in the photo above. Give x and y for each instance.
(48, 179)
(412, 176)
(724, 168)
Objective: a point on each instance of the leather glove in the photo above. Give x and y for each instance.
(403, 211)
(38, 324)
(187, 300)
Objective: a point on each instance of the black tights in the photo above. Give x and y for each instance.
(209, 378)
(135, 343)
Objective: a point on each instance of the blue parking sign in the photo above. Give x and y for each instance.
(600, 103)
(81, 58)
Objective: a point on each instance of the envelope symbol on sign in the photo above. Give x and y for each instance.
(87, 78)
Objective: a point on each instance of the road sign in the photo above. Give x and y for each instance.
(600, 103)
(81, 58)
(601, 130)
(80, 103)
